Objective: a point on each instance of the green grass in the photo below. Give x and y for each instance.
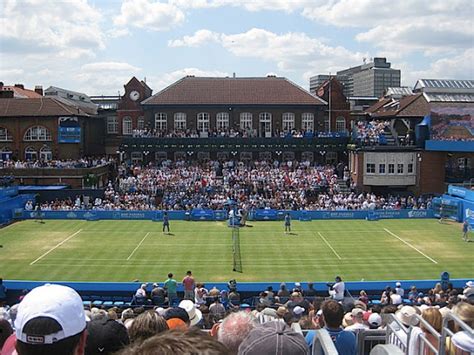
(316, 251)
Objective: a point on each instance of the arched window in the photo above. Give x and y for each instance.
(340, 124)
(161, 120)
(203, 122)
(265, 119)
(46, 153)
(141, 123)
(5, 136)
(307, 122)
(288, 121)
(246, 121)
(5, 153)
(180, 121)
(31, 153)
(222, 121)
(127, 126)
(37, 133)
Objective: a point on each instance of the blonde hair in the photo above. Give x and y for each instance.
(433, 316)
(465, 311)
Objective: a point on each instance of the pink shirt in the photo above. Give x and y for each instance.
(188, 283)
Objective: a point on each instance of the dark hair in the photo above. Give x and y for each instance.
(147, 325)
(192, 341)
(46, 326)
(188, 272)
(5, 331)
(333, 313)
(170, 275)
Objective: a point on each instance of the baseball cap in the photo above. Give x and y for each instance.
(177, 312)
(375, 320)
(357, 312)
(298, 310)
(297, 284)
(273, 338)
(57, 302)
(398, 284)
(105, 336)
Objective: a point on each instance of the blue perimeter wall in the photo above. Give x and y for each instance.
(211, 215)
(16, 285)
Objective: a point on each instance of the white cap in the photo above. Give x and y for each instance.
(58, 302)
(469, 284)
(298, 310)
(398, 284)
(375, 320)
(297, 284)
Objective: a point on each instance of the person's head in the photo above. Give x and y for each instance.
(235, 327)
(146, 325)
(105, 336)
(51, 320)
(465, 311)
(357, 315)
(177, 313)
(433, 316)
(170, 275)
(338, 279)
(184, 342)
(333, 313)
(1, 281)
(189, 273)
(5, 331)
(273, 338)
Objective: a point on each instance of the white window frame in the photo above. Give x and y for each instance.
(265, 118)
(246, 121)
(37, 134)
(141, 123)
(341, 124)
(161, 121)
(307, 121)
(112, 125)
(5, 135)
(127, 126)
(46, 153)
(5, 153)
(222, 121)
(288, 121)
(372, 170)
(326, 124)
(30, 152)
(203, 122)
(180, 121)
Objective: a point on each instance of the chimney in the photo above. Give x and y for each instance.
(21, 86)
(39, 90)
(233, 75)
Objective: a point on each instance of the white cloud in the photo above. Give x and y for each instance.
(68, 29)
(254, 5)
(159, 82)
(100, 67)
(199, 38)
(149, 15)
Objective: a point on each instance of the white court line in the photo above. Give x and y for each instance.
(58, 245)
(138, 246)
(411, 246)
(329, 245)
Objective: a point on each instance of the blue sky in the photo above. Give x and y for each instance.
(96, 46)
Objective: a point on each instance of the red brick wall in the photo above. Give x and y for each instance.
(431, 172)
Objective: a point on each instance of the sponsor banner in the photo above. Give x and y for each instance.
(461, 192)
(69, 135)
(8, 191)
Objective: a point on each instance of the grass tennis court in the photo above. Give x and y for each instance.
(316, 251)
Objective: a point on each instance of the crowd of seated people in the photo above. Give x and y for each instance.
(253, 185)
(53, 318)
(56, 164)
(371, 133)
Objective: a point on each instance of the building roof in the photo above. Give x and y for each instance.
(445, 85)
(73, 98)
(447, 97)
(269, 90)
(44, 106)
(391, 107)
(21, 93)
(398, 92)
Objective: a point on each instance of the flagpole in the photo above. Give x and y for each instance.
(329, 102)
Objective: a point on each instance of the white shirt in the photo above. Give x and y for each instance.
(339, 288)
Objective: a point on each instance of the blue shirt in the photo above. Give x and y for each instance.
(344, 341)
(287, 220)
(166, 219)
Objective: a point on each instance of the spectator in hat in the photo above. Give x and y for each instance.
(51, 320)
(374, 321)
(188, 342)
(332, 314)
(235, 327)
(398, 289)
(177, 313)
(105, 336)
(357, 315)
(146, 325)
(194, 314)
(273, 338)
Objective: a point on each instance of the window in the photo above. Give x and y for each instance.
(307, 121)
(31, 154)
(141, 123)
(161, 121)
(340, 124)
(37, 133)
(180, 121)
(265, 119)
(326, 124)
(370, 168)
(381, 168)
(399, 168)
(5, 135)
(112, 125)
(46, 153)
(222, 121)
(136, 157)
(391, 168)
(288, 121)
(410, 168)
(127, 126)
(203, 122)
(245, 121)
(5, 154)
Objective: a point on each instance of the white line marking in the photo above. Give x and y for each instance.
(411, 246)
(329, 245)
(57, 246)
(138, 246)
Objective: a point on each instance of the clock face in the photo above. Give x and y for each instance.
(134, 95)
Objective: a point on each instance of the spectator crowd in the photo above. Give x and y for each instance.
(55, 164)
(370, 133)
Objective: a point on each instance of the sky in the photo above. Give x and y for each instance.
(96, 46)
